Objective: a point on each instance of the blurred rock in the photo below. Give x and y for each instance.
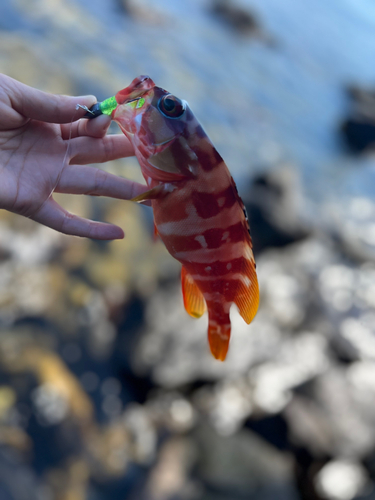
(359, 128)
(273, 206)
(172, 411)
(309, 426)
(351, 222)
(341, 480)
(170, 476)
(337, 398)
(359, 132)
(143, 13)
(242, 466)
(301, 359)
(238, 18)
(17, 480)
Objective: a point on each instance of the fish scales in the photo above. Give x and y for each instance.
(197, 210)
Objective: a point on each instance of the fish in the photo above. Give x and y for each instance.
(198, 212)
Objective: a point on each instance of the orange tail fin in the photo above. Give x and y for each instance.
(218, 337)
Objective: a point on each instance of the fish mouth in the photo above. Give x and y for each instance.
(138, 87)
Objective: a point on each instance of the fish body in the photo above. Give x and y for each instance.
(197, 210)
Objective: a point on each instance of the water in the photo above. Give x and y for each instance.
(261, 103)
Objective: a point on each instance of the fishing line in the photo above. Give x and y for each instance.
(67, 148)
(62, 167)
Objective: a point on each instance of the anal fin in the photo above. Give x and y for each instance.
(194, 302)
(247, 298)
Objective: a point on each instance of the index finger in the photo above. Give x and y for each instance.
(38, 105)
(91, 128)
(84, 150)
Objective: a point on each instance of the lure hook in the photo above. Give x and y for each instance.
(100, 108)
(81, 106)
(105, 107)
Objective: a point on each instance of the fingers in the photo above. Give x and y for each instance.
(85, 150)
(54, 216)
(33, 103)
(91, 128)
(87, 180)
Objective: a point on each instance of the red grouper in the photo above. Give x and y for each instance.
(197, 210)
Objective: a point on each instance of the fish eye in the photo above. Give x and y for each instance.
(171, 106)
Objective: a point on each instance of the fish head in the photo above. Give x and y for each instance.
(159, 126)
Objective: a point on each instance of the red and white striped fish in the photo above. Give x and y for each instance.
(197, 210)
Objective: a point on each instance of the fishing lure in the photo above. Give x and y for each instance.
(197, 210)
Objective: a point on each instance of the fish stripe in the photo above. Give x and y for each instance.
(206, 255)
(209, 159)
(227, 287)
(226, 277)
(214, 238)
(206, 204)
(219, 268)
(193, 225)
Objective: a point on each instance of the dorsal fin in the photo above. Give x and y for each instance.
(194, 301)
(247, 296)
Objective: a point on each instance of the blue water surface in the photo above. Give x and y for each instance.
(274, 98)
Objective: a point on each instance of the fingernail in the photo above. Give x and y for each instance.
(118, 234)
(103, 121)
(87, 100)
(89, 96)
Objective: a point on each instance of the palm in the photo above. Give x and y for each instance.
(31, 160)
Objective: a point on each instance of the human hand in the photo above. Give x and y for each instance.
(35, 159)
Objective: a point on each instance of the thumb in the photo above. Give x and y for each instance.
(38, 105)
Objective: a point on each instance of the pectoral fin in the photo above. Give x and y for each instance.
(152, 194)
(156, 233)
(194, 301)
